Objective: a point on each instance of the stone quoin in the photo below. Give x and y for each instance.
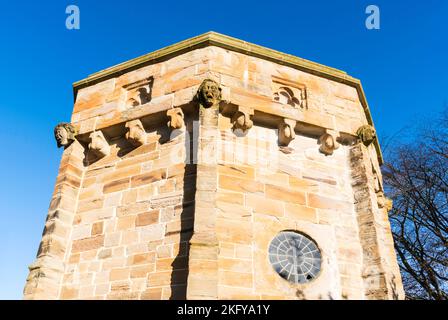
(217, 169)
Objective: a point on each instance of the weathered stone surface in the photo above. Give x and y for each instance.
(132, 218)
(286, 132)
(241, 119)
(98, 144)
(149, 177)
(136, 134)
(366, 134)
(144, 219)
(176, 116)
(328, 144)
(117, 185)
(88, 244)
(64, 134)
(209, 94)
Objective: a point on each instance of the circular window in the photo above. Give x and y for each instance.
(295, 257)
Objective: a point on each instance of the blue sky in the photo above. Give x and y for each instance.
(403, 68)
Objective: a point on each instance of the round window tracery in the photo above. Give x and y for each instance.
(295, 257)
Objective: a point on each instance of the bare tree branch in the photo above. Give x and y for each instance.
(416, 178)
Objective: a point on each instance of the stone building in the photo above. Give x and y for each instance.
(217, 169)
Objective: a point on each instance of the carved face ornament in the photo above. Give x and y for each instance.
(64, 134)
(209, 93)
(367, 134)
(61, 136)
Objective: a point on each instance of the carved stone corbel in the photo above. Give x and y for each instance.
(388, 204)
(64, 133)
(241, 119)
(209, 93)
(366, 134)
(286, 132)
(384, 202)
(98, 144)
(381, 200)
(136, 133)
(376, 183)
(176, 116)
(328, 142)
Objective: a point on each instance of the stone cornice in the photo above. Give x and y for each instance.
(233, 44)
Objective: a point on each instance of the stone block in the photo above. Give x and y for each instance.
(117, 185)
(152, 294)
(147, 218)
(262, 205)
(126, 222)
(322, 202)
(87, 244)
(142, 271)
(97, 228)
(119, 274)
(230, 197)
(235, 279)
(148, 177)
(69, 293)
(285, 194)
(300, 212)
(240, 185)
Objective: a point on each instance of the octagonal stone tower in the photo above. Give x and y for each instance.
(217, 169)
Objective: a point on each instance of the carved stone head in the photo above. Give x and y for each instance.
(64, 133)
(366, 134)
(209, 93)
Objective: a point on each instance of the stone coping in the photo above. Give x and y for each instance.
(219, 40)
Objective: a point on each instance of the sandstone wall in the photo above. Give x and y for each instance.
(273, 191)
(119, 227)
(132, 225)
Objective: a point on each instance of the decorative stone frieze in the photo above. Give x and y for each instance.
(328, 143)
(176, 116)
(289, 93)
(139, 92)
(64, 134)
(98, 144)
(286, 132)
(136, 133)
(366, 134)
(209, 93)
